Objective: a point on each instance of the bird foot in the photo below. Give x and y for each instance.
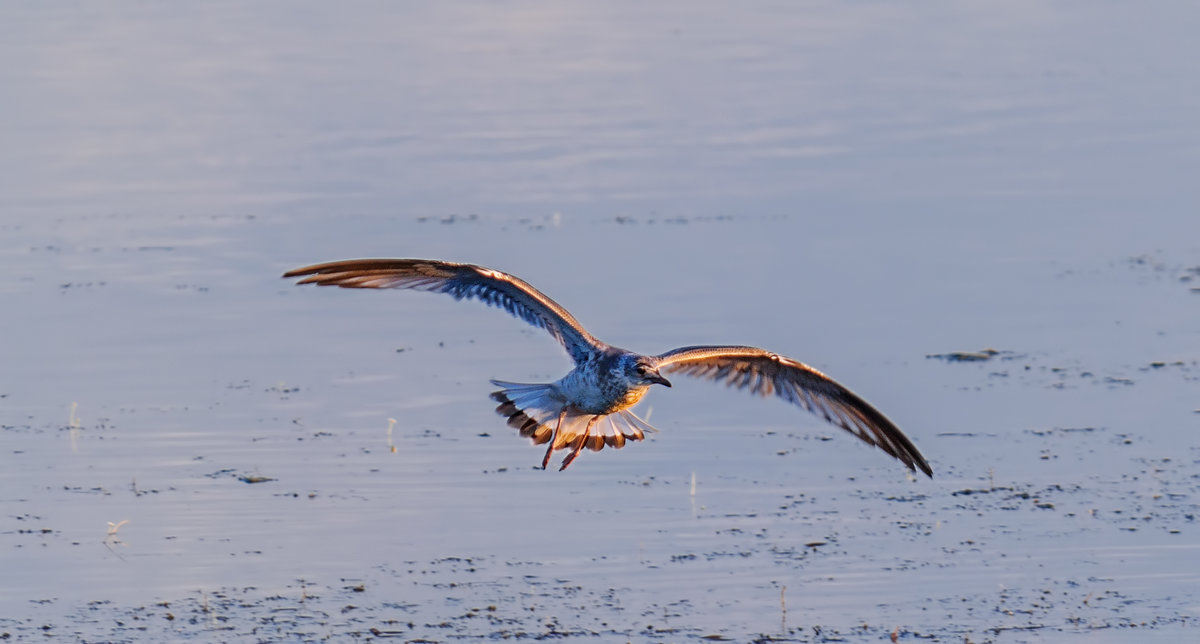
(579, 443)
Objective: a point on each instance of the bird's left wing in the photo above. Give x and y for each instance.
(460, 281)
(766, 373)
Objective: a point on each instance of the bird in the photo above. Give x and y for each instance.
(590, 405)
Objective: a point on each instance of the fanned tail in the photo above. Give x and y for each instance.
(535, 409)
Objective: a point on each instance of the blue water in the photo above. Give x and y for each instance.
(857, 186)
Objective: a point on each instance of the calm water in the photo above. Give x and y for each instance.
(858, 186)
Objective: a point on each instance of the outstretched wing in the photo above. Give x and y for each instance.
(462, 281)
(766, 373)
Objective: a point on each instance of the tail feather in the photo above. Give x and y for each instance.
(533, 410)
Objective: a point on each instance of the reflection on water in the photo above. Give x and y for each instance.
(856, 186)
(619, 109)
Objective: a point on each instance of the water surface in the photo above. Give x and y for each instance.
(859, 187)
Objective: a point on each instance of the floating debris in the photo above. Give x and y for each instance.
(965, 356)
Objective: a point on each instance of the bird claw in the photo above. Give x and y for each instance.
(579, 443)
(571, 457)
(554, 438)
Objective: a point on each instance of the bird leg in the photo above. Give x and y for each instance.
(579, 444)
(554, 439)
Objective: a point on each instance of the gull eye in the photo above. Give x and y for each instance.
(641, 370)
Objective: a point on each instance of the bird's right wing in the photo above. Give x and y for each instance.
(462, 281)
(766, 373)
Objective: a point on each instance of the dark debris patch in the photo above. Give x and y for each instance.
(1019, 369)
(967, 356)
(467, 598)
(1156, 266)
(1053, 431)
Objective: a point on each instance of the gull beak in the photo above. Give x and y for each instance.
(654, 377)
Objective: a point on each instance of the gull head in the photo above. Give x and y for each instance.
(643, 370)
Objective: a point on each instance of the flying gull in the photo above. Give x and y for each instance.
(590, 406)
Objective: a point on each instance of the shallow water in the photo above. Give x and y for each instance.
(858, 187)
